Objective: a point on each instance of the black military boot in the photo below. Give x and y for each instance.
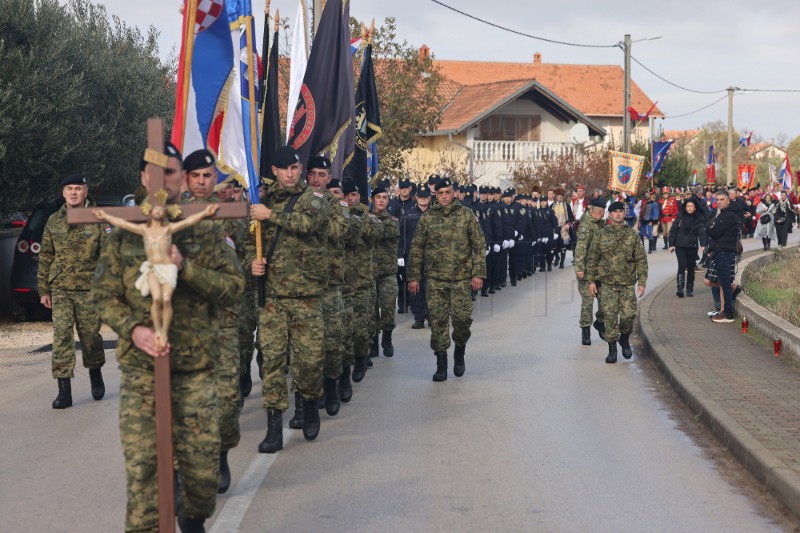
(420, 324)
(191, 525)
(98, 387)
(332, 403)
(386, 343)
(441, 366)
(260, 363)
(764, 242)
(458, 361)
(601, 329)
(224, 473)
(274, 439)
(612, 353)
(359, 369)
(666, 243)
(689, 288)
(310, 419)
(549, 266)
(246, 383)
(345, 388)
(297, 420)
(624, 342)
(681, 283)
(652, 247)
(563, 256)
(373, 347)
(64, 398)
(586, 336)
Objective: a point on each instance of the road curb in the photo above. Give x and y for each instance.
(782, 482)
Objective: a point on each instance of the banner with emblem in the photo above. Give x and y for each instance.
(625, 170)
(747, 176)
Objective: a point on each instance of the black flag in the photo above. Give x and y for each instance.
(325, 105)
(367, 123)
(271, 124)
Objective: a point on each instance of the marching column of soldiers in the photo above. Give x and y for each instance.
(333, 269)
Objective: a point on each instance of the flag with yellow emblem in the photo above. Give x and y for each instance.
(625, 171)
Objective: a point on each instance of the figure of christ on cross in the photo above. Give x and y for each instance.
(159, 273)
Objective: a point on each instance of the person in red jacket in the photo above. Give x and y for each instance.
(669, 211)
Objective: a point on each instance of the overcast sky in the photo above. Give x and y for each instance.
(705, 45)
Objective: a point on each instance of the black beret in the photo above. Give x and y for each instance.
(424, 191)
(349, 186)
(444, 183)
(378, 190)
(198, 159)
(334, 184)
(169, 150)
(74, 179)
(616, 206)
(319, 161)
(285, 157)
(598, 202)
(509, 192)
(405, 182)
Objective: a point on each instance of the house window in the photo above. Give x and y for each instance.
(511, 128)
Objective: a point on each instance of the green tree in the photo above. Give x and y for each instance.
(75, 90)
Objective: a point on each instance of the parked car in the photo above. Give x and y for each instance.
(24, 285)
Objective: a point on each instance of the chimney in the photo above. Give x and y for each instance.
(537, 58)
(424, 53)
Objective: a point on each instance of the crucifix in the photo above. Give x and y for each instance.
(156, 222)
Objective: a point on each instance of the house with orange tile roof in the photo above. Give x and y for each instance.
(766, 151)
(500, 114)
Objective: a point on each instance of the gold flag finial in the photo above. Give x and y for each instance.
(371, 31)
(364, 31)
(277, 19)
(266, 8)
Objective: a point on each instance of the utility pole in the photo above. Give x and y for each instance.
(729, 171)
(626, 119)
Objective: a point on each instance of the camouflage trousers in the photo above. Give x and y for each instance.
(587, 304)
(226, 374)
(348, 354)
(333, 311)
(618, 306)
(75, 309)
(386, 303)
(247, 327)
(363, 319)
(195, 435)
(295, 323)
(448, 300)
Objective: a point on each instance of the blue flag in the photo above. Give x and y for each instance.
(660, 149)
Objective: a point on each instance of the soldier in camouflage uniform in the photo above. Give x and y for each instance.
(591, 222)
(385, 258)
(67, 258)
(364, 296)
(617, 260)
(201, 178)
(208, 276)
(450, 242)
(296, 277)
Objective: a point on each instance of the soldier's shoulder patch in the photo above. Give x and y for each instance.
(316, 204)
(396, 219)
(108, 229)
(318, 194)
(372, 216)
(344, 204)
(229, 242)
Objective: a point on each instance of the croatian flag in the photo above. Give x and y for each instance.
(785, 175)
(744, 142)
(355, 45)
(205, 65)
(711, 166)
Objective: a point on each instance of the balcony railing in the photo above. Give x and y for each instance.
(512, 151)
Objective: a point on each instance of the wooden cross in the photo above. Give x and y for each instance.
(163, 400)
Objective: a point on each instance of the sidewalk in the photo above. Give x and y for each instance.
(747, 397)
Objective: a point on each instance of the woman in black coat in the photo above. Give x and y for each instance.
(685, 236)
(784, 218)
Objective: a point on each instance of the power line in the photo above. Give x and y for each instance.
(772, 90)
(675, 84)
(697, 110)
(521, 33)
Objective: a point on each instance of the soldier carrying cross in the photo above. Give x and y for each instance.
(208, 276)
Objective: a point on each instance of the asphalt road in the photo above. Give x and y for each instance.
(538, 435)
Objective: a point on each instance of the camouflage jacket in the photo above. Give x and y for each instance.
(69, 253)
(616, 257)
(352, 250)
(299, 266)
(386, 245)
(338, 231)
(587, 229)
(365, 249)
(211, 277)
(451, 244)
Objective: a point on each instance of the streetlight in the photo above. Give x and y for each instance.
(626, 119)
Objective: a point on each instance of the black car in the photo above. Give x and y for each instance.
(24, 285)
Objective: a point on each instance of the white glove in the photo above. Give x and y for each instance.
(546, 240)
(511, 244)
(401, 262)
(555, 236)
(505, 245)
(496, 248)
(520, 238)
(487, 252)
(516, 233)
